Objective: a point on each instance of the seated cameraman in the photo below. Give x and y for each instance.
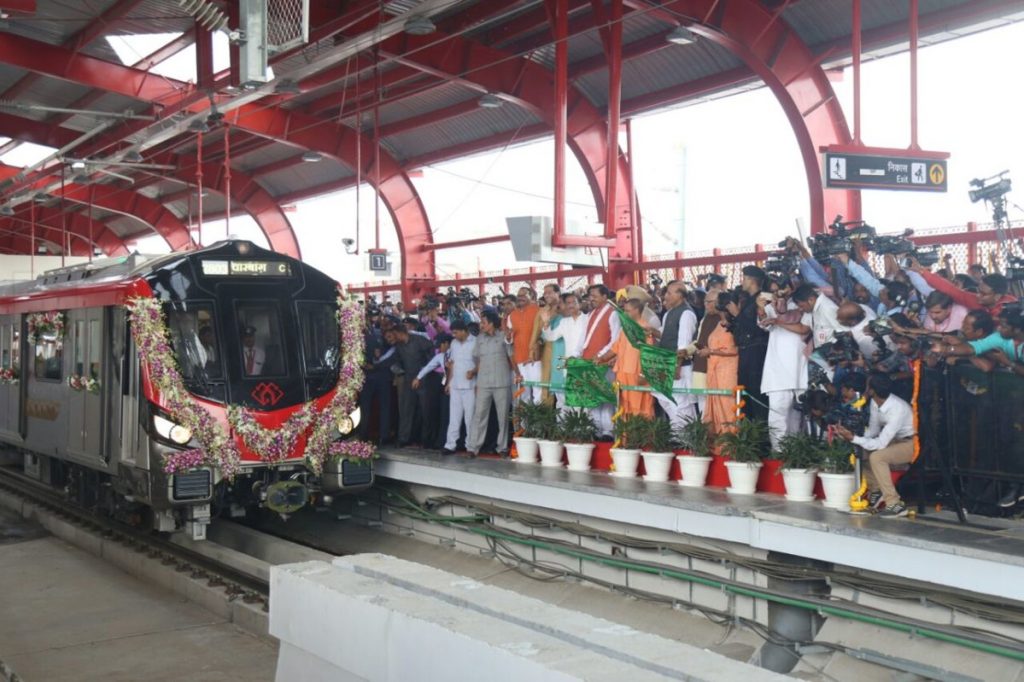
(889, 439)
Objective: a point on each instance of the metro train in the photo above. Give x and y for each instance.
(253, 338)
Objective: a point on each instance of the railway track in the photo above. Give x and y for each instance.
(201, 561)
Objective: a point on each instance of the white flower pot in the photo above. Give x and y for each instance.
(799, 484)
(657, 465)
(626, 462)
(526, 449)
(694, 469)
(838, 490)
(579, 455)
(550, 453)
(742, 477)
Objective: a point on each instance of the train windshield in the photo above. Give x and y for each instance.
(194, 337)
(319, 330)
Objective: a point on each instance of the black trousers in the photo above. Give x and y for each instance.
(750, 371)
(408, 410)
(430, 398)
(376, 389)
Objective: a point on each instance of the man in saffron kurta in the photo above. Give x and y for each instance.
(519, 333)
(603, 330)
(626, 359)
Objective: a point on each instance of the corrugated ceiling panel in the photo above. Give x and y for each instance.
(263, 156)
(55, 21)
(444, 95)
(475, 125)
(674, 65)
(824, 21)
(307, 175)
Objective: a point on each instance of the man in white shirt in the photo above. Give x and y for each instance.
(571, 328)
(854, 319)
(889, 439)
(460, 387)
(253, 356)
(822, 312)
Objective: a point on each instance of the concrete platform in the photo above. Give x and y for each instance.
(984, 561)
(67, 615)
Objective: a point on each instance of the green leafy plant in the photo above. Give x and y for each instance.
(629, 431)
(657, 436)
(576, 426)
(799, 450)
(835, 457)
(545, 419)
(746, 441)
(524, 416)
(695, 436)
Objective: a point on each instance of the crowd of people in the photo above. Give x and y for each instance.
(809, 339)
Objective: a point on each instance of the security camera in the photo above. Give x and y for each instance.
(347, 241)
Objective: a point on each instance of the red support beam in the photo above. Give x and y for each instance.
(76, 67)
(466, 242)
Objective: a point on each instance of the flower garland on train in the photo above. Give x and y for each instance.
(48, 323)
(273, 445)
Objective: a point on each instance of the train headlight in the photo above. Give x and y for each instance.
(176, 433)
(349, 422)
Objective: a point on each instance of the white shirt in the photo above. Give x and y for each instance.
(785, 363)
(460, 353)
(894, 420)
(259, 357)
(824, 321)
(864, 341)
(432, 364)
(572, 330)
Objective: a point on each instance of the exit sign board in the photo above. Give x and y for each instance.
(906, 173)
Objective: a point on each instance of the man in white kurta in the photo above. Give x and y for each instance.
(785, 365)
(572, 328)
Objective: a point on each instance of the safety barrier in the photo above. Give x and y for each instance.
(966, 244)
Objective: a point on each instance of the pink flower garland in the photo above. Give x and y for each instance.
(50, 322)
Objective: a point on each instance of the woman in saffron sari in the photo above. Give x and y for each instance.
(625, 361)
(723, 368)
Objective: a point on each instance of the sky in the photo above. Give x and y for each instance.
(724, 173)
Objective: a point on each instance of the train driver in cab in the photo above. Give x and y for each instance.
(253, 355)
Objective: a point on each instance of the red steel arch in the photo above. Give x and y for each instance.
(773, 51)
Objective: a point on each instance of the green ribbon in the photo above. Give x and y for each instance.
(586, 384)
(657, 364)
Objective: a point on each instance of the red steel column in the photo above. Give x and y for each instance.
(561, 112)
(614, 104)
(913, 75)
(856, 48)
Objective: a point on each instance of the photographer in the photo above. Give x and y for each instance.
(888, 440)
(1005, 346)
(993, 290)
(892, 295)
(821, 314)
(943, 315)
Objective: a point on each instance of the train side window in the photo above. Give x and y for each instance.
(49, 358)
(259, 330)
(95, 348)
(79, 348)
(319, 328)
(194, 337)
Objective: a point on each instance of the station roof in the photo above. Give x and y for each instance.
(69, 85)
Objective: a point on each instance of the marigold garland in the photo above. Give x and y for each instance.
(273, 445)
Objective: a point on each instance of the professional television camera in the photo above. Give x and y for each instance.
(782, 263)
(992, 190)
(843, 349)
(840, 238)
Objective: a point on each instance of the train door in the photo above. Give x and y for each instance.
(10, 377)
(85, 381)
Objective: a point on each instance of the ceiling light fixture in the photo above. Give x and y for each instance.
(40, 197)
(77, 164)
(419, 26)
(681, 35)
(312, 157)
(6, 210)
(490, 101)
(198, 126)
(288, 87)
(132, 156)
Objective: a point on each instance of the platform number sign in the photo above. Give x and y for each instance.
(378, 262)
(864, 171)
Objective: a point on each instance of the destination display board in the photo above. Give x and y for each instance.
(246, 268)
(905, 173)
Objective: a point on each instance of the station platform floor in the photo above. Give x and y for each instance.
(68, 615)
(931, 548)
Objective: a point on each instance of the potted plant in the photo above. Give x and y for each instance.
(629, 434)
(657, 449)
(836, 474)
(695, 438)
(745, 443)
(546, 419)
(800, 454)
(527, 428)
(578, 432)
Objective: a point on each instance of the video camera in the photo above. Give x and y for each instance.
(991, 188)
(1015, 269)
(782, 263)
(840, 238)
(843, 349)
